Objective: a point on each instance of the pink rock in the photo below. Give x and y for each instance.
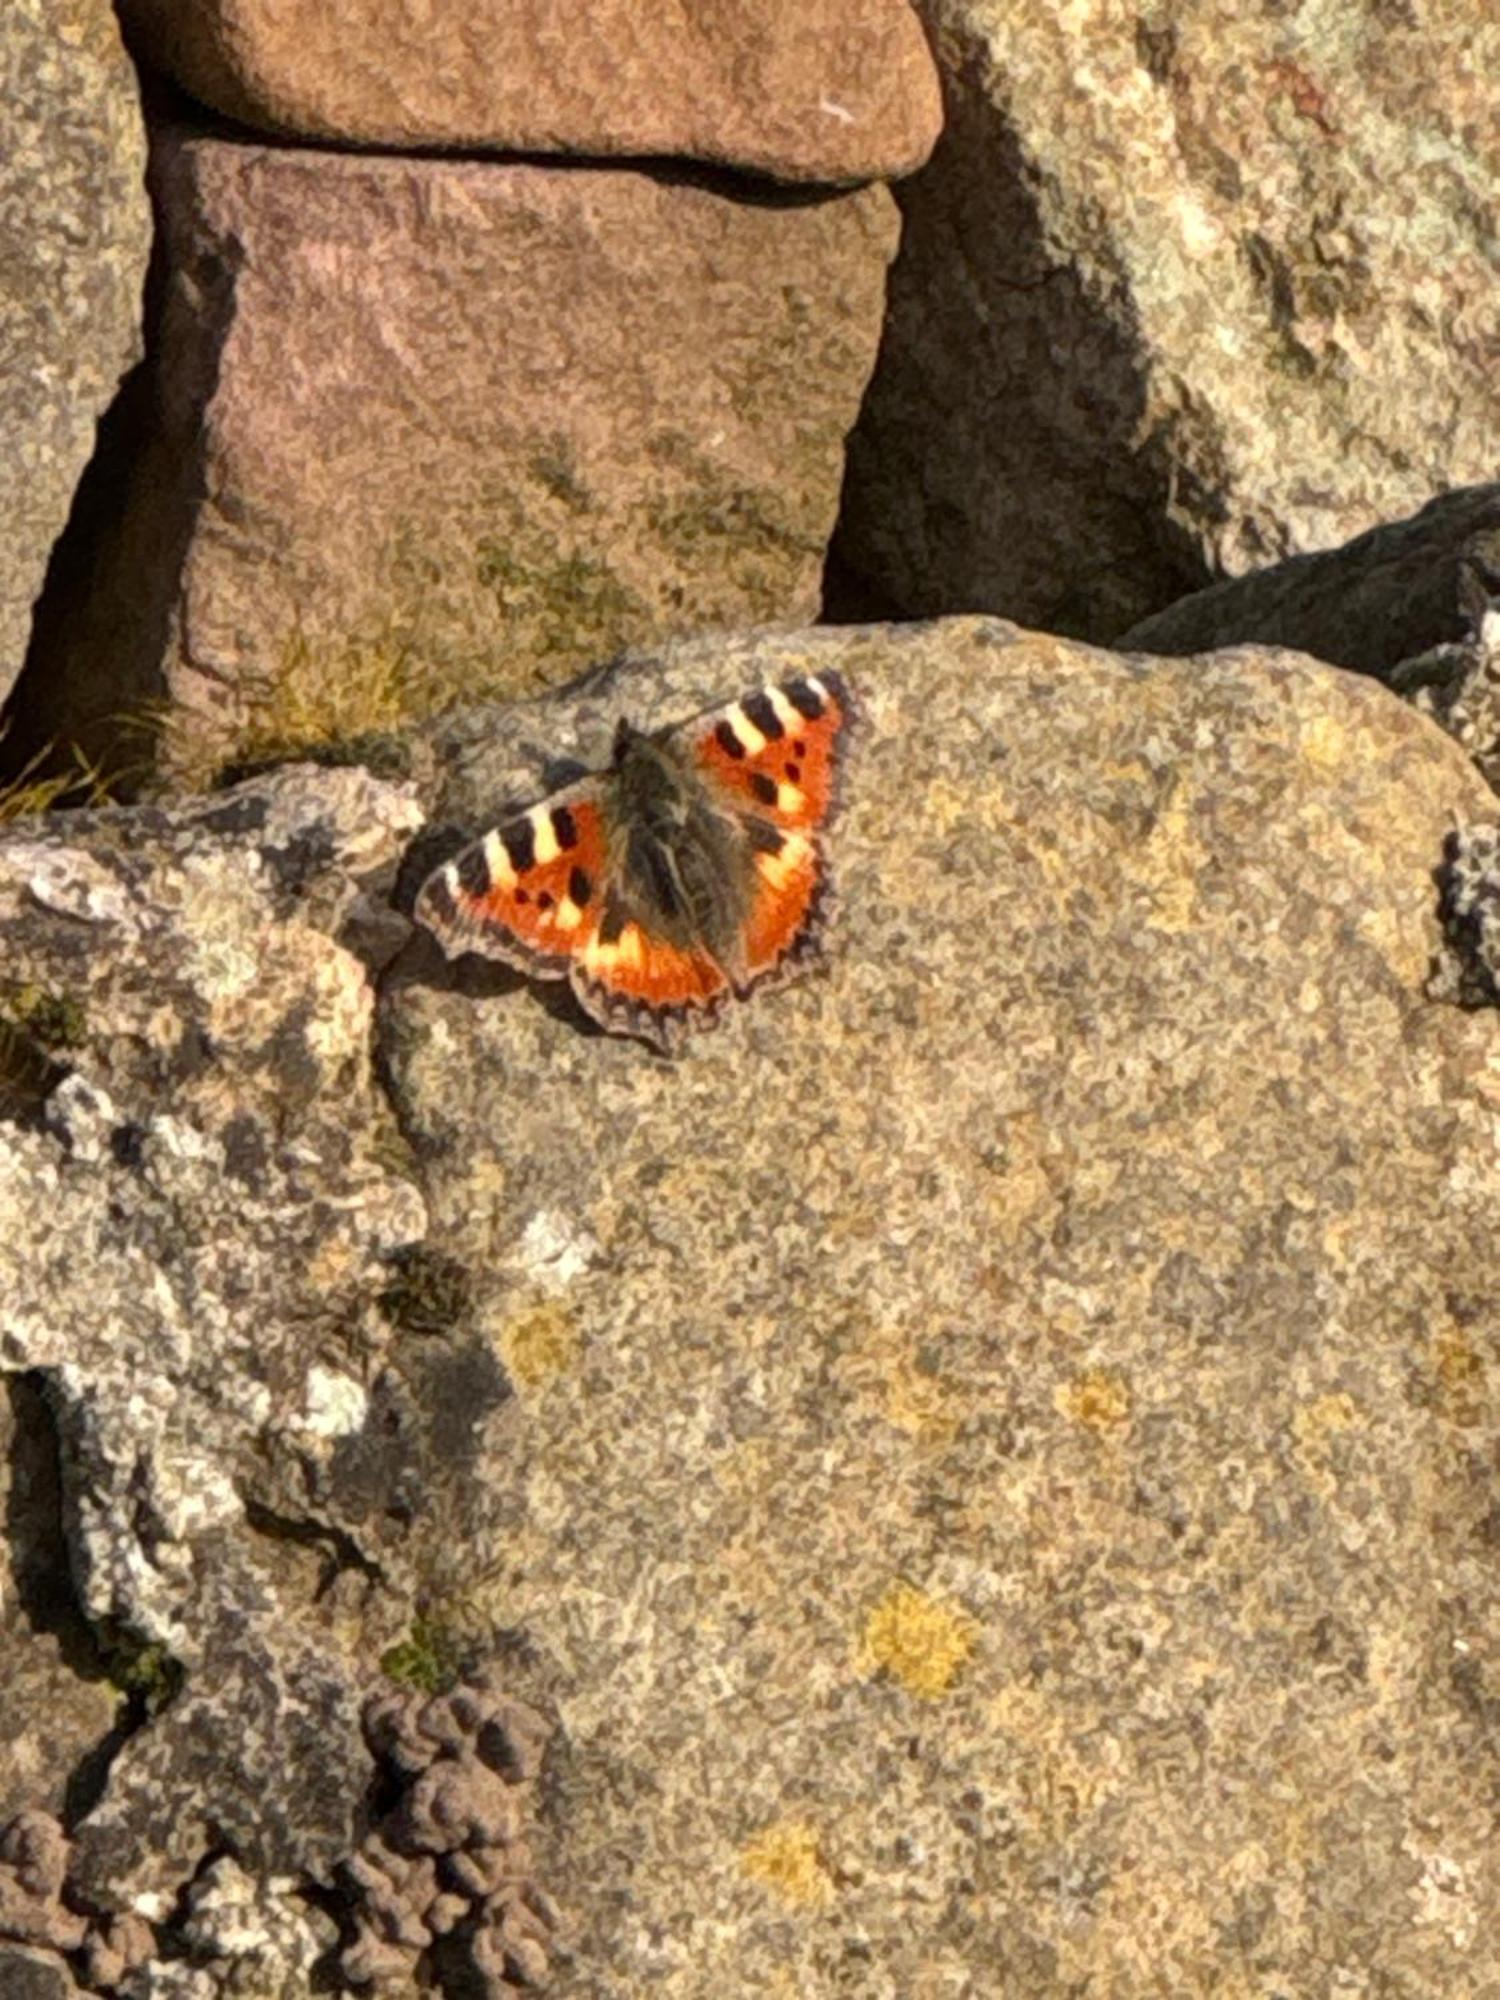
(829, 90)
(432, 430)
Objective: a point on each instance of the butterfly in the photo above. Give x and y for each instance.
(691, 869)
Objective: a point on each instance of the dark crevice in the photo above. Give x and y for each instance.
(341, 1553)
(35, 1530)
(1052, 399)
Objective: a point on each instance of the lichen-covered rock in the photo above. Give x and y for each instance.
(243, 1936)
(431, 427)
(75, 232)
(1183, 291)
(1372, 604)
(1003, 1499)
(196, 1215)
(844, 90)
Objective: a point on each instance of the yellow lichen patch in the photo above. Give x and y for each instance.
(1459, 1368)
(787, 1858)
(1168, 866)
(1097, 1400)
(920, 1404)
(1323, 741)
(919, 1641)
(538, 1344)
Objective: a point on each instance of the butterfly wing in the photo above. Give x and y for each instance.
(541, 891)
(536, 893)
(530, 892)
(776, 757)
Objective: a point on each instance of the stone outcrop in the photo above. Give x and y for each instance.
(1005, 1469)
(200, 1193)
(980, 1456)
(841, 91)
(75, 231)
(426, 428)
(1179, 295)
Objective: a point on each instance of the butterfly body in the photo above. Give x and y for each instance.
(692, 868)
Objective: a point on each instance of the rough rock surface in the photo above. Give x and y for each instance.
(1388, 595)
(75, 231)
(842, 91)
(1183, 291)
(1005, 1497)
(199, 1205)
(428, 427)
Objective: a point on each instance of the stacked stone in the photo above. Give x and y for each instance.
(490, 341)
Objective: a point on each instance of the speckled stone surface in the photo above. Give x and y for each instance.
(844, 90)
(429, 429)
(200, 1190)
(1184, 289)
(1003, 1498)
(75, 231)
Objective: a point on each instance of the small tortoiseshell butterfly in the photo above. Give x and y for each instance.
(691, 869)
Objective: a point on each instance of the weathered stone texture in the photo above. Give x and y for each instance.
(985, 1464)
(197, 1212)
(1005, 1499)
(432, 427)
(841, 91)
(75, 231)
(1380, 599)
(1179, 295)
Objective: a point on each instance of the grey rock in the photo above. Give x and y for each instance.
(197, 1223)
(1175, 301)
(1003, 1499)
(33, 1975)
(246, 1936)
(1381, 599)
(75, 232)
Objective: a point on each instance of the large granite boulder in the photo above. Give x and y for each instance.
(1180, 293)
(75, 232)
(428, 428)
(1005, 1500)
(980, 1470)
(842, 91)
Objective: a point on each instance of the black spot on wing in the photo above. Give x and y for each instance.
(565, 827)
(614, 920)
(764, 838)
(520, 844)
(765, 789)
(805, 699)
(580, 887)
(473, 870)
(763, 715)
(728, 742)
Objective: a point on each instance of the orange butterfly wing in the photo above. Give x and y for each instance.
(534, 893)
(776, 755)
(529, 892)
